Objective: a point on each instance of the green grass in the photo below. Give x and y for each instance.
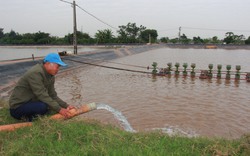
(87, 137)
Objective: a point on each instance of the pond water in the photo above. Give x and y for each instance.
(191, 106)
(21, 52)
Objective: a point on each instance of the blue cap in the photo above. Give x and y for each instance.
(54, 58)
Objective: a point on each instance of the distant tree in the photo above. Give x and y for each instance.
(42, 38)
(207, 40)
(27, 38)
(1, 33)
(164, 39)
(11, 38)
(69, 38)
(247, 41)
(57, 40)
(123, 35)
(198, 40)
(130, 33)
(84, 38)
(215, 40)
(148, 34)
(239, 39)
(81, 35)
(12, 34)
(104, 36)
(231, 38)
(174, 40)
(184, 39)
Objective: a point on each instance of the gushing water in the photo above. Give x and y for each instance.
(118, 115)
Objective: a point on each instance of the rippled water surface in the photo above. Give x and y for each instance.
(191, 105)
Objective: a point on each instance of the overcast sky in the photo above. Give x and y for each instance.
(204, 18)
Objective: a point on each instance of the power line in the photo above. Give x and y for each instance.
(97, 18)
(92, 15)
(209, 29)
(168, 29)
(66, 2)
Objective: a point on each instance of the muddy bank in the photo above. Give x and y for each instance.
(10, 71)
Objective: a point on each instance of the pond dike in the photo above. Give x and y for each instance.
(11, 71)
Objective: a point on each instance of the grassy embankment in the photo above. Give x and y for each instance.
(85, 137)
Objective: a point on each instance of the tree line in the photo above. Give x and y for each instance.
(127, 34)
(230, 38)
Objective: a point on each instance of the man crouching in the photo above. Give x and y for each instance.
(35, 93)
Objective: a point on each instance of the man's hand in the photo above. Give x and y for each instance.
(65, 112)
(71, 107)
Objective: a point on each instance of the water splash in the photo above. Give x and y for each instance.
(170, 130)
(176, 131)
(118, 115)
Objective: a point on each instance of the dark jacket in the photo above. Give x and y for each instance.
(36, 85)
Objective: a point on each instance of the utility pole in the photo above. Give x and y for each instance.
(179, 34)
(74, 25)
(75, 29)
(149, 38)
